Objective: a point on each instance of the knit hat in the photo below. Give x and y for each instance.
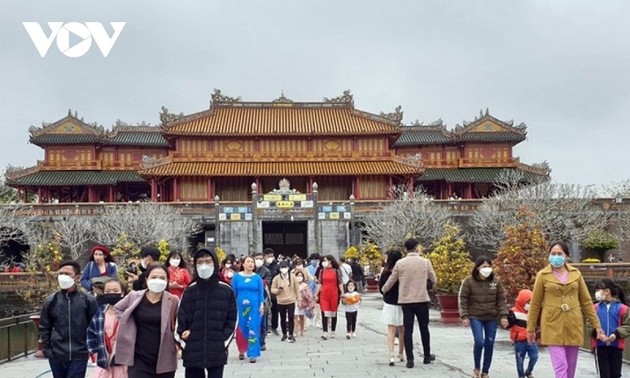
(101, 248)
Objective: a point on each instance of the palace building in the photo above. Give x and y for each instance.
(237, 151)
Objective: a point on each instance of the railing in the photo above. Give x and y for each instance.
(617, 271)
(487, 162)
(54, 165)
(18, 337)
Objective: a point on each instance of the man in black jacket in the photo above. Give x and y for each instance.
(149, 255)
(206, 319)
(274, 269)
(63, 325)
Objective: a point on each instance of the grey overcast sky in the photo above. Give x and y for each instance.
(562, 67)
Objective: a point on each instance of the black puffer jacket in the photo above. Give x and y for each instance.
(208, 311)
(391, 297)
(63, 324)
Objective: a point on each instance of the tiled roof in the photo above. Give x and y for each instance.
(292, 168)
(48, 139)
(420, 135)
(487, 175)
(492, 137)
(75, 178)
(136, 138)
(295, 119)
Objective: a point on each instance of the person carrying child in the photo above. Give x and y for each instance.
(351, 300)
(612, 310)
(517, 322)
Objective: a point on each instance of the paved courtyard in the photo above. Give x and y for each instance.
(363, 356)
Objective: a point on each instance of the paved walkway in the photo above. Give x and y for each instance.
(364, 356)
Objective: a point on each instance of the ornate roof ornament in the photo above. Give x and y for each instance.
(167, 117)
(282, 99)
(284, 187)
(396, 115)
(217, 97)
(345, 98)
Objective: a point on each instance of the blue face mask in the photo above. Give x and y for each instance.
(314, 263)
(556, 261)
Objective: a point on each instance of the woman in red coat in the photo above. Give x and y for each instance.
(178, 273)
(330, 289)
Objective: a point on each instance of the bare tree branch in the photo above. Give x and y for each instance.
(75, 232)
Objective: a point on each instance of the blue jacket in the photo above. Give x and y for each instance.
(91, 270)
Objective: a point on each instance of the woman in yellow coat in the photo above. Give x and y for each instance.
(562, 300)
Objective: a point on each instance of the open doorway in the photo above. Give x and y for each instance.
(286, 238)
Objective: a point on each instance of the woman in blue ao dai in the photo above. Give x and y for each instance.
(249, 290)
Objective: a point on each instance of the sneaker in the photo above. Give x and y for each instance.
(241, 356)
(396, 342)
(284, 337)
(391, 361)
(275, 332)
(401, 358)
(252, 360)
(430, 358)
(529, 375)
(476, 373)
(325, 336)
(485, 375)
(410, 364)
(354, 334)
(332, 335)
(263, 347)
(348, 336)
(291, 339)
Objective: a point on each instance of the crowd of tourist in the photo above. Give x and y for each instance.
(194, 311)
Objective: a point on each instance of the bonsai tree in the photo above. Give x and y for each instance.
(450, 260)
(600, 241)
(521, 255)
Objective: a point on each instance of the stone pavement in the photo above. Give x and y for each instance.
(363, 356)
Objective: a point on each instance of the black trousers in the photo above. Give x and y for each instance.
(351, 321)
(213, 372)
(421, 312)
(333, 324)
(274, 314)
(287, 311)
(609, 361)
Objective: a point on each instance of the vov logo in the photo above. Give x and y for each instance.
(85, 33)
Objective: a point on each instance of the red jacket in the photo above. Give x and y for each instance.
(518, 316)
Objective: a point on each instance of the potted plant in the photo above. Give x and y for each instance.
(600, 241)
(451, 263)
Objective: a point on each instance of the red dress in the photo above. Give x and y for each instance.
(181, 276)
(329, 292)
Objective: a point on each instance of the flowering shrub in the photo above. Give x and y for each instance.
(220, 254)
(164, 249)
(450, 260)
(351, 253)
(521, 255)
(600, 240)
(591, 260)
(125, 252)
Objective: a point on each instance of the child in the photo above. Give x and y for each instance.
(517, 319)
(612, 311)
(103, 330)
(307, 304)
(351, 299)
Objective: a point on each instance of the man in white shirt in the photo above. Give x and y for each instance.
(346, 271)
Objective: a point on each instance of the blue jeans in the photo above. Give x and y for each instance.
(521, 349)
(483, 343)
(68, 369)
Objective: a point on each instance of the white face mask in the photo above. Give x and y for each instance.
(175, 262)
(269, 260)
(486, 271)
(284, 270)
(156, 285)
(325, 264)
(65, 281)
(143, 263)
(599, 296)
(258, 263)
(230, 274)
(527, 307)
(205, 271)
(228, 266)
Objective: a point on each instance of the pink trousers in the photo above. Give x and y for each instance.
(563, 360)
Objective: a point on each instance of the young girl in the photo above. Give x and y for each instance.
(307, 304)
(351, 300)
(103, 330)
(612, 311)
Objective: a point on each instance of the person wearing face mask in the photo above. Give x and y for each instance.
(265, 275)
(305, 306)
(250, 301)
(287, 291)
(481, 303)
(149, 255)
(227, 271)
(272, 265)
(517, 319)
(146, 329)
(560, 302)
(329, 294)
(103, 331)
(612, 310)
(313, 284)
(206, 319)
(178, 272)
(98, 269)
(63, 324)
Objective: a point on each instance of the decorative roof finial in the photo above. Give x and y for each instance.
(346, 97)
(487, 112)
(217, 97)
(282, 99)
(396, 115)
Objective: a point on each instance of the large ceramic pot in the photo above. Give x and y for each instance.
(449, 307)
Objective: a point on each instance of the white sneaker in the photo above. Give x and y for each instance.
(354, 334)
(325, 336)
(332, 335)
(396, 342)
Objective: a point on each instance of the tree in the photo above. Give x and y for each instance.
(17, 221)
(563, 211)
(521, 254)
(451, 262)
(408, 215)
(144, 223)
(75, 232)
(620, 191)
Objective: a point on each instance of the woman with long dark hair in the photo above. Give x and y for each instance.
(98, 269)
(481, 303)
(392, 314)
(250, 302)
(178, 273)
(329, 292)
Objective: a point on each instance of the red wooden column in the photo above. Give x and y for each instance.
(110, 194)
(153, 190)
(175, 190)
(209, 196)
(39, 194)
